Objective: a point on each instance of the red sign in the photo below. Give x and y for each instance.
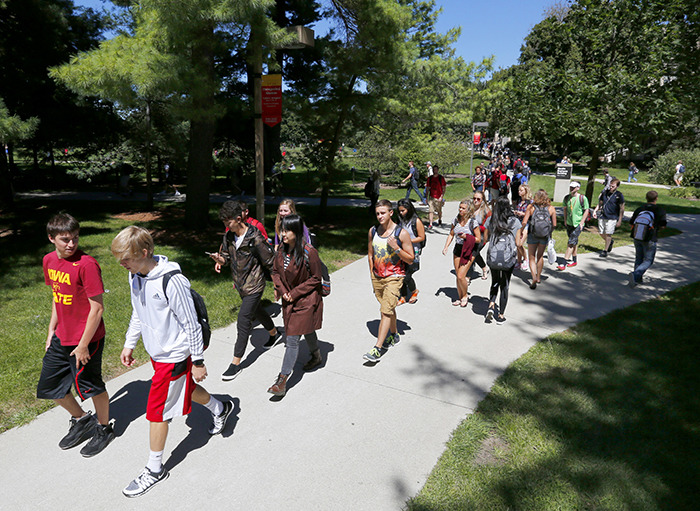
(272, 99)
(477, 137)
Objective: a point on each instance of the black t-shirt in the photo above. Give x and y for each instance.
(610, 204)
(659, 218)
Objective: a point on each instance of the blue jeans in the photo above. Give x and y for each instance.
(644, 257)
(414, 186)
(631, 177)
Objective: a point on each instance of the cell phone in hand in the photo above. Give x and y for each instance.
(211, 253)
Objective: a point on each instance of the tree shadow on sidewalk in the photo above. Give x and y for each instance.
(199, 421)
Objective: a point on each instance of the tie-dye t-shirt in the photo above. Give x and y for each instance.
(387, 262)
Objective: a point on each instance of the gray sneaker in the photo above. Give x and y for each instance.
(144, 482)
(632, 282)
(373, 355)
(80, 430)
(391, 340)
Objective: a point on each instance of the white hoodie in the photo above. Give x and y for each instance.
(168, 326)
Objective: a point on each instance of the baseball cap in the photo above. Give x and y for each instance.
(574, 184)
(428, 163)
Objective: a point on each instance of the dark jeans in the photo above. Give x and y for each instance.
(500, 279)
(291, 350)
(414, 186)
(250, 309)
(644, 257)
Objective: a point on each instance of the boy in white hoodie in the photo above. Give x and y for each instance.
(167, 323)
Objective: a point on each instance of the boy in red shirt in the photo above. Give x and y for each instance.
(76, 338)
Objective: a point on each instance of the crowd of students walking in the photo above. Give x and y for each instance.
(167, 316)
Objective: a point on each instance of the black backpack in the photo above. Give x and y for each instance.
(199, 307)
(414, 227)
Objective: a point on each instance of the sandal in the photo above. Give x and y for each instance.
(414, 297)
(456, 303)
(464, 302)
(485, 273)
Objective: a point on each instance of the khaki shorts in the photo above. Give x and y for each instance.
(387, 290)
(606, 226)
(435, 206)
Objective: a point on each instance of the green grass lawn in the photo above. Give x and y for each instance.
(603, 416)
(26, 299)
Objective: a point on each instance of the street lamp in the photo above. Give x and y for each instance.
(304, 39)
(474, 126)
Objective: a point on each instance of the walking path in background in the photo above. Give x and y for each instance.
(346, 436)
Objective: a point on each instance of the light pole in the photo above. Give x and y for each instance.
(474, 126)
(304, 39)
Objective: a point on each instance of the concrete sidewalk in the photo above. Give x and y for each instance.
(346, 436)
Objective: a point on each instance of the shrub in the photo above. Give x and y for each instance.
(685, 192)
(664, 167)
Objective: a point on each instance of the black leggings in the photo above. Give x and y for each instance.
(500, 279)
(409, 285)
(477, 258)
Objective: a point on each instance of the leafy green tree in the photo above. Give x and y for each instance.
(597, 77)
(169, 53)
(35, 35)
(12, 129)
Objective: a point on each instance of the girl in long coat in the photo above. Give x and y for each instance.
(296, 273)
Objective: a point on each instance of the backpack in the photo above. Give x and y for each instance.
(502, 252)
(199, 307)
(325, 276)
(414, 228)
(541, 222)
(643, 226)
(503, 186)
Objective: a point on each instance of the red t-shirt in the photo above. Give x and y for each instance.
(73, 281)
(437, 184)
(257, 223)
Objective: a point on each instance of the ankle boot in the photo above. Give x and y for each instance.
(314, 362)
(279, 388)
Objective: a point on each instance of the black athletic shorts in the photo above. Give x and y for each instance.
(58, 372)
(574, 233)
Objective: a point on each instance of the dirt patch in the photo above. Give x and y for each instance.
(492, 452)
(147, 216)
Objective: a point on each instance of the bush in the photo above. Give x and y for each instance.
(664, 167)
(685, 192)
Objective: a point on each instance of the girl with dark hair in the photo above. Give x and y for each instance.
(296, 273)
(408, 219)
(504, 229)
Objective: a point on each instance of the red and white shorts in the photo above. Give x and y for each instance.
(171, 390)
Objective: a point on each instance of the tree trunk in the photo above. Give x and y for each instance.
(202, 128)
(332, 148)
(199, 173)
(593, 167)
(6, 195)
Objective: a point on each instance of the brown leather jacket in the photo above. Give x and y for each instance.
(251, 262)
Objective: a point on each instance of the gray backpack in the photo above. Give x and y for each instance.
(502, 253)
(541, 222)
